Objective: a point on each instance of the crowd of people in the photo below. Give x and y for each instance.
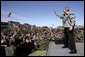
(25, 38)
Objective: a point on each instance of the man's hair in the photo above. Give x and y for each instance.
(67, 8)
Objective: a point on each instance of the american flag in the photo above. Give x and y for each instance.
(75, 26)
(53, 25)
(9, 15)
(16, 26)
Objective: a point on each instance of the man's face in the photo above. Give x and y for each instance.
(64, 10)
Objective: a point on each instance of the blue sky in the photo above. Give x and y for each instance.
(40, 13)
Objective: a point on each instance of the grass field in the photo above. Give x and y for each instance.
(38, 53)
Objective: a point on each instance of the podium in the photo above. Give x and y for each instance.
(59, 40)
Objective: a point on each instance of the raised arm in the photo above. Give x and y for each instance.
(59, 15)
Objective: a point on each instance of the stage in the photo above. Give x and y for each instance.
(57, 50)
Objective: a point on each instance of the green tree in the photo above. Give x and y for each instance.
(45, 27)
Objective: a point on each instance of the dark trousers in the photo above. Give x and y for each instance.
(69, 38)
